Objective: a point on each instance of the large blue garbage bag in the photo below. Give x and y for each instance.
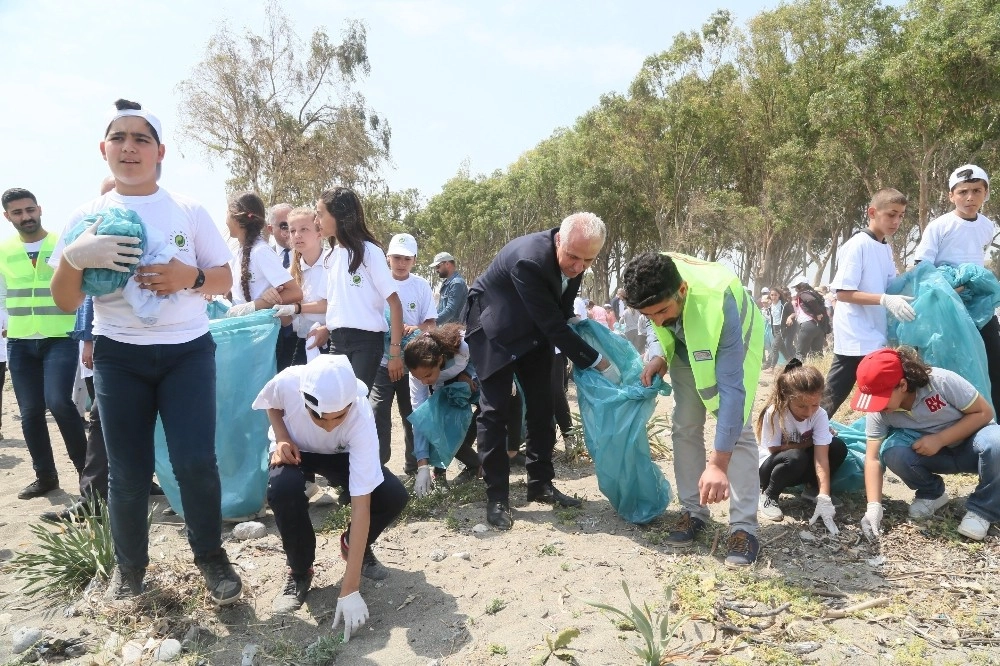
(943, 333)
(614, 426)
(444, 419)
(244, 362)
(980, 293)
(114, 222)
(850, 477)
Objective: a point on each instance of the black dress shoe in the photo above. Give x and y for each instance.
(40, 486)
(498, 515)
(546, 492)
(77, 513)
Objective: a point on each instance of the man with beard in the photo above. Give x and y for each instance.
(42, 357)
(451, 298)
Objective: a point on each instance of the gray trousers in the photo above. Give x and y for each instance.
(688, 438)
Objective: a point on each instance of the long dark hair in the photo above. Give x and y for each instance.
(248, 211)
(345, 207)
(434, 347)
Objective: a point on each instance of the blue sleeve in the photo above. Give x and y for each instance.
(452, 300)
(88, 318)
(729, 376)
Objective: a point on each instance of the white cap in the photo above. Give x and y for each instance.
(140, 113)
(440, 258)
(330, 379)
(765, 290)
(967, 172)
(403, 245)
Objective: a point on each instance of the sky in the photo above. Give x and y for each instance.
(459, 82)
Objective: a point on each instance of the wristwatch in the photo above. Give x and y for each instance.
(200, 280)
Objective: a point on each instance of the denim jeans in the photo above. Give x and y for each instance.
(43, 372)
(135, 383)
(380, 396)
(364, 349)
(979, 454)
(688, 438)
(286, 497)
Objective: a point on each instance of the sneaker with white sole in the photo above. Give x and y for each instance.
(925, 508)
(769, 508)
(974, 526)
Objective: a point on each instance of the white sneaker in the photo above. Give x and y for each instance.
(770, 509)
(925, 508)
(974, 526)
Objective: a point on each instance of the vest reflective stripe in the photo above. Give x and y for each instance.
(29, 297)
(703, 320)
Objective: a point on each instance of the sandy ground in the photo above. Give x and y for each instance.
(936, 593)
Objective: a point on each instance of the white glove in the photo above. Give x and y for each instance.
(899, 307)
(92, 251)
(284, 310)
(826, 511)
(611, 374)
(354, 610)
(871, 524)
(241, 309)
(423, 483)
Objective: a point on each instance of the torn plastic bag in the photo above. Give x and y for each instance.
(114, 222)
(444, 419)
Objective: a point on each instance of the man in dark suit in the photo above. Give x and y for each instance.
(516, 311)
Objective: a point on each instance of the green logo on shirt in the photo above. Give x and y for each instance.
(181, 241)
(356, 280)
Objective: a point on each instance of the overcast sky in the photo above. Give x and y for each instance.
(476, 81)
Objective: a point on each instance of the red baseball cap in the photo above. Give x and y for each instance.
(879, 374)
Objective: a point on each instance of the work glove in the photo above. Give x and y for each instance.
(284, 310)
(92, 251)
(423, 483)
(826, 511)
(354, 610)
(899, 307)
(241, 309)
(611, 374)
(871, 524)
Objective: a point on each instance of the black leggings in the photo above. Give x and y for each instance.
(795, 467)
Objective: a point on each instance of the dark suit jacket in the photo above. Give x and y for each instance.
(518, 304)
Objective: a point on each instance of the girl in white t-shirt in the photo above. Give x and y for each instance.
(260, 281)
(359, 285)
(797, 446)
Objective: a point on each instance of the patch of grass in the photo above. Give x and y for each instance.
(337, 520)
(913, 653)
(568, 515)
(658, 629)
(495, 606)
(549, 550)
(495, 649)
(695, 593)
(283, 651)
(440, 502)
(565, 566)
(558, 648)
(773, 655)
(625, 624)
(451, 523)
(324, 651)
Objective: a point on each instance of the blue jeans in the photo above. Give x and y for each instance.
(43, 372)
(980, 454)
(134, 384)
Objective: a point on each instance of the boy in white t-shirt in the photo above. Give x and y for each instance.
(419, 313)
(321, 422)
(963, 236)
(864, 268)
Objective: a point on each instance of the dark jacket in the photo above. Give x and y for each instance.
(518, 304)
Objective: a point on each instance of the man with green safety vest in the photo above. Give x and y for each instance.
(711, 339)
(42, 358)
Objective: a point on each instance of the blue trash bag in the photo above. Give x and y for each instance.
(768, 338)
(444, 419)
(388, 336)
(614, 427)
(114, 222)
(244, 362)
(943, 333)
(216, 309)
(850, 477)
(981, 293)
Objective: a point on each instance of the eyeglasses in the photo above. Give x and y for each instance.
(283, 226)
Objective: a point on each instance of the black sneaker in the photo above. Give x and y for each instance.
(743, 549)
(40, 486)
(685, 531)
(296, 588)
(371, 568)
(467, 475)
(221, 579)
(125, 584)
(77, 513)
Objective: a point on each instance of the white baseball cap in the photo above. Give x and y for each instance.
(765, 290)
(440, 258)
(967, 172)
(330, 381)
(403, 245)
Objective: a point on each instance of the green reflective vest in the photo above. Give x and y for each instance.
(29, 299)
(702, 319)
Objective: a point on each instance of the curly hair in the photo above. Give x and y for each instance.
(434, 347)
(794, 380)
(650, 278)
(248, 211)
(344, 205)
(916, 373)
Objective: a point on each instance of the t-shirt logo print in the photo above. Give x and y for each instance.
(411, 306)
(181, 241)
(935, 402)
(355, 280)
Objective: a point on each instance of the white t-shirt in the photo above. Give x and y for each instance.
(355, 436)
(417, 298)
(816, 429)
(951, 240)
(357, 300)
(266, 271)
(935, 407)
(863, 264)
(314, 279)
(453, 367)
(190, 228)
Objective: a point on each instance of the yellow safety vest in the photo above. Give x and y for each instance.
(702, 319)
(29, 298)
